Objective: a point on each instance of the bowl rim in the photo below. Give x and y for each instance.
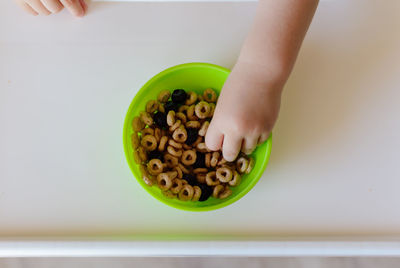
(165, 200)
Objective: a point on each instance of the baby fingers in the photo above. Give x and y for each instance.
(231, 146)
(249, 144)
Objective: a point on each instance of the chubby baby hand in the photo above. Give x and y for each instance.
(46, 7)
(246, 112)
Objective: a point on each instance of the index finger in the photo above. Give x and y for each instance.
(74, 7)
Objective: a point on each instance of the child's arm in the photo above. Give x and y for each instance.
(249, 102)
(47, 7)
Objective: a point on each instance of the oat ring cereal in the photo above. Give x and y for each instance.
(155, 166)
(181, 116)
(186, 192)
(146, 118)
(202, 109)
(164, 181)
(171, 160)
(171, 118)
(151, 106)
(163, 142)
(217, 190)
(149, 142)
(176, 186)
(192, 98)
(190, 113)
(214, 159)
(164, 96)
(171, 150)
(204, 128)
(135, 140)
(227, 192)
(209, 95)
(180, 134)
(211, 179)
(148, 131)
(137, 124)
(235, 179)
(188, 157)
(193, 124)
(224, 174)
(175, 125)
(242, 164)
(175, 144)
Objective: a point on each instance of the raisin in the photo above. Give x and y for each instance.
(160, 119)
(156, 155)
(206, 192)
(169, 105)
(179, 96)
(200, 160)
(192, 135)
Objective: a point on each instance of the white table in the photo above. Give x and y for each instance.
(66, 84)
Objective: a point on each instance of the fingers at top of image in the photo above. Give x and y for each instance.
(74, 7)
(27, 7)
(231, 146)
(38, 7)
(54, 6)
(263, 138)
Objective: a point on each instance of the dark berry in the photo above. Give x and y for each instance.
(156, 155)
(200, 160)
(169, 105)
(192, 135)
(190, 179)
(206, 192)
(160, 119)
(179, 96)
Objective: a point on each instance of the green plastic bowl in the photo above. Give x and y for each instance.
(192, 77)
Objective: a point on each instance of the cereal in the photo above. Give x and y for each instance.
(186, 193)
(151, 106)
(163, 142)
(183, 108)
(171, 160)
(202, 109)
(217, 190)
(179, 171)
(203, 129)
(208, 160)
(142, 154)
(149, 142)
(175, 125)
(146, 118)
(137, 124)
(148, 131)
(175, 144)
(214, 160)
(196, 194)
(209, 95)
(235, 179)
(224, 174)
(157, 134)
(176, 186)
(168, 143)
(163, 96)
(171, 118)
(173, 151)
(164, 181)
(242, 164)
(211, 179)
(193, 124)
(181, 116)
(135, 140)
(188, 157)
(226, 193)
(180, 134)
(190, 113)
(192, 98)
(250, 166)
(155, 166)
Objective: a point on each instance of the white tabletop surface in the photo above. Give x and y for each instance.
(66, 84)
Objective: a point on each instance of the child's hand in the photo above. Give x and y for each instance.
(246, 111)
(46, 7)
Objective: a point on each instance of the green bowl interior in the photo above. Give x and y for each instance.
(191, 77)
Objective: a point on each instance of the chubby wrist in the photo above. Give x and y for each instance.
(271, 76)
